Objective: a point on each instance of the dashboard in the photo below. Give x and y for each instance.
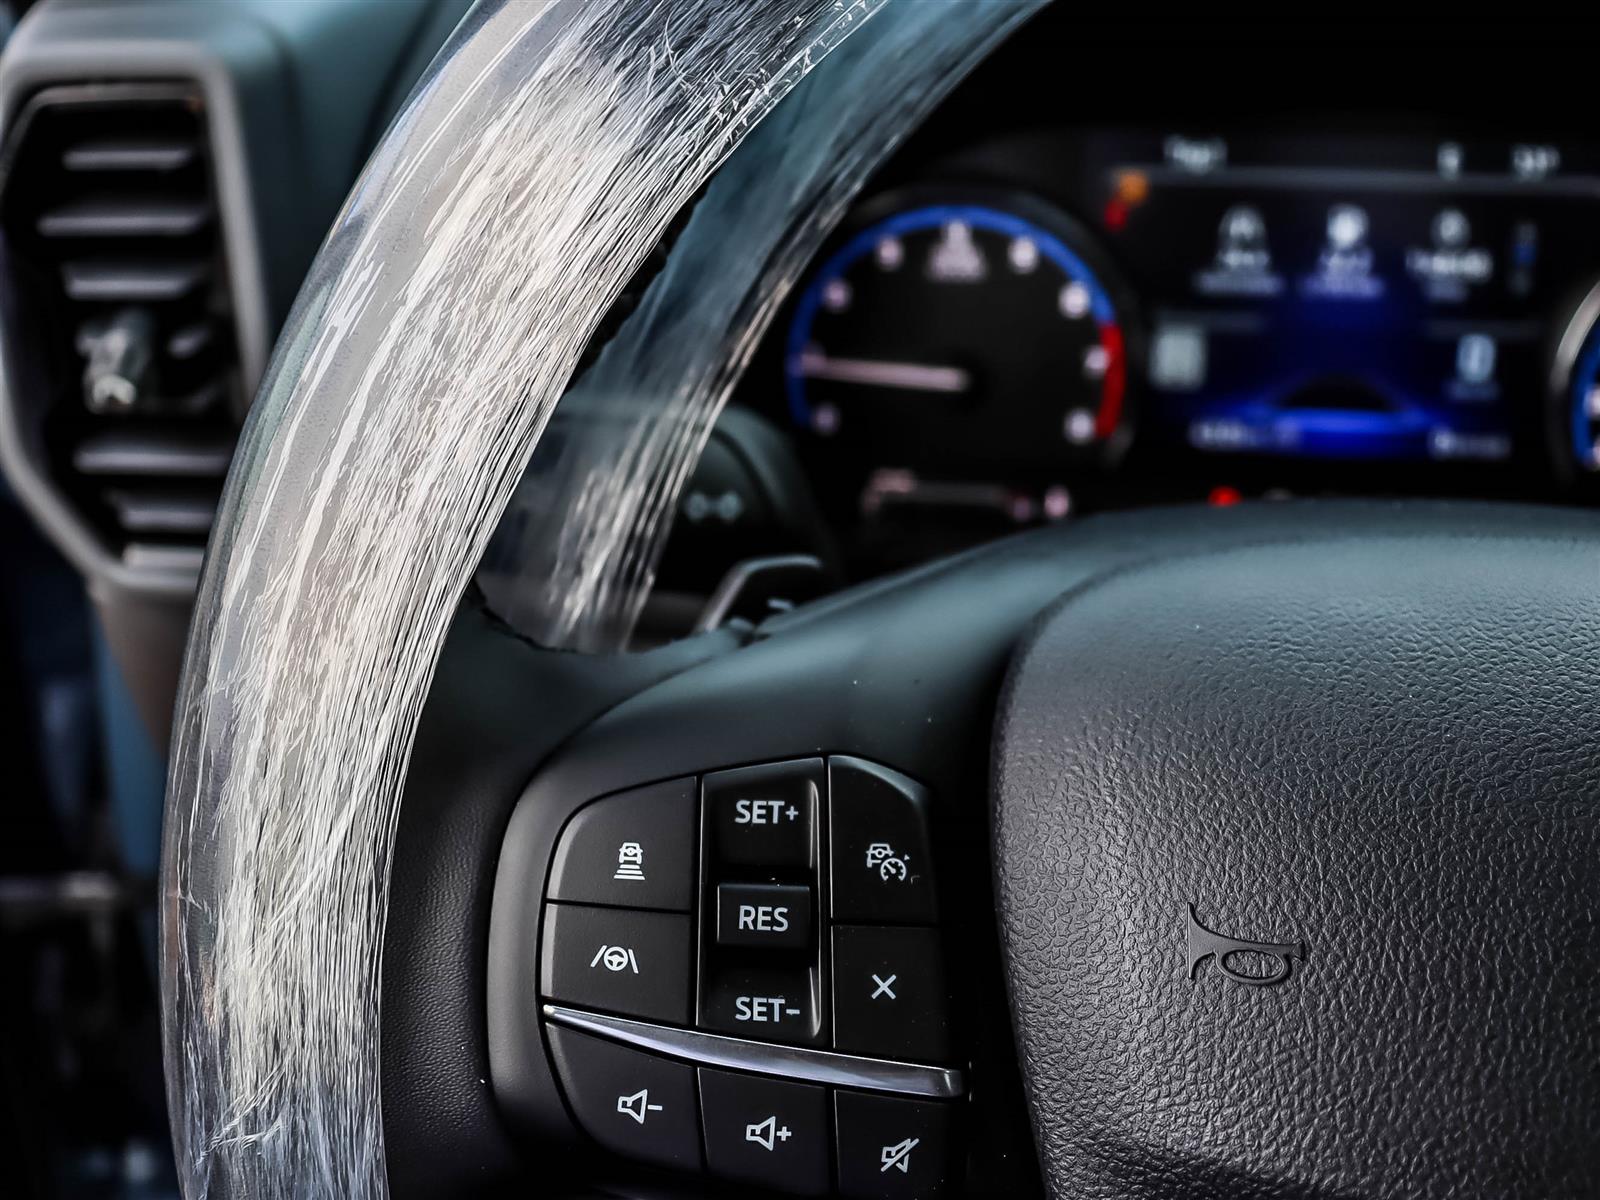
(1029, 316)
(1121, 265)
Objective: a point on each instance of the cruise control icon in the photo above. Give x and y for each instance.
(881, 857)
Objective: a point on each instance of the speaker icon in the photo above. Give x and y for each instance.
(766, 1133)
(637, 1106)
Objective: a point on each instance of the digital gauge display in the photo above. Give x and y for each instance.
(944, 335)
(1060, 320)
(1578, 387)
(1345, 299)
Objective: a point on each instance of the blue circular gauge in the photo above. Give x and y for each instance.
(951, 333)
(1583, 401)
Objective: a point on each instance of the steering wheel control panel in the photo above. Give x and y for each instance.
(742, 973)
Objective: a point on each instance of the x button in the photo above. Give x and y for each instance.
(889, 996)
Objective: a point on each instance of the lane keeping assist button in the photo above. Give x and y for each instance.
(763, 915)
(634, 963)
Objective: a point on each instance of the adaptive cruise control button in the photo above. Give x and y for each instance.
(763, 915)
(632, 1103)
(763, 816)
(889, 997)
(635, 849)
(635, 963)
(882, 853)
(894, 1149)
(768, 1132)
(762, 1003)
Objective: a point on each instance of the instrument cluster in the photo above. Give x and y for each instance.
(1062, 319)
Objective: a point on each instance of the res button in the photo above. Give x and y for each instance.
(763, 915)
(763, 816)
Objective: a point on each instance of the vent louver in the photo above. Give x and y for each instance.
(121, 307)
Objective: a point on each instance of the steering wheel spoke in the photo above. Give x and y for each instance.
(748, 892)
(744, 890)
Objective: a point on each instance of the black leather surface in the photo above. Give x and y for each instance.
(1386, 747)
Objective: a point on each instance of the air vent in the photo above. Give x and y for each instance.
(122, 312)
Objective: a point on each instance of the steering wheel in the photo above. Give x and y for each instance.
(1352, 740)
(1182, 853)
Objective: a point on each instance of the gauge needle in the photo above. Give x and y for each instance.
(911, 377)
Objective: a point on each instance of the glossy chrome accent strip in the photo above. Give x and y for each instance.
(792, 1062)
(1570, 346)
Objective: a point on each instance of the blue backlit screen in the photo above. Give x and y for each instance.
(1382, 300)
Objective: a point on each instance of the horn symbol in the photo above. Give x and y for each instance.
(1203, 944)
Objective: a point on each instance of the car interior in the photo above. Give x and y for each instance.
(1107, 711)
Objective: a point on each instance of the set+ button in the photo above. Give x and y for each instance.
(764, 816)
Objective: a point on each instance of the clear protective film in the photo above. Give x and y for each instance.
(531, 176)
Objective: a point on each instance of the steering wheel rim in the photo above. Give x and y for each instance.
(458, 291)
(307, 1029)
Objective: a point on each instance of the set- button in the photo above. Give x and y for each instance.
(761, 946)
(770, 1004)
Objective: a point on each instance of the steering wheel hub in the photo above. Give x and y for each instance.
(1296, 855)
